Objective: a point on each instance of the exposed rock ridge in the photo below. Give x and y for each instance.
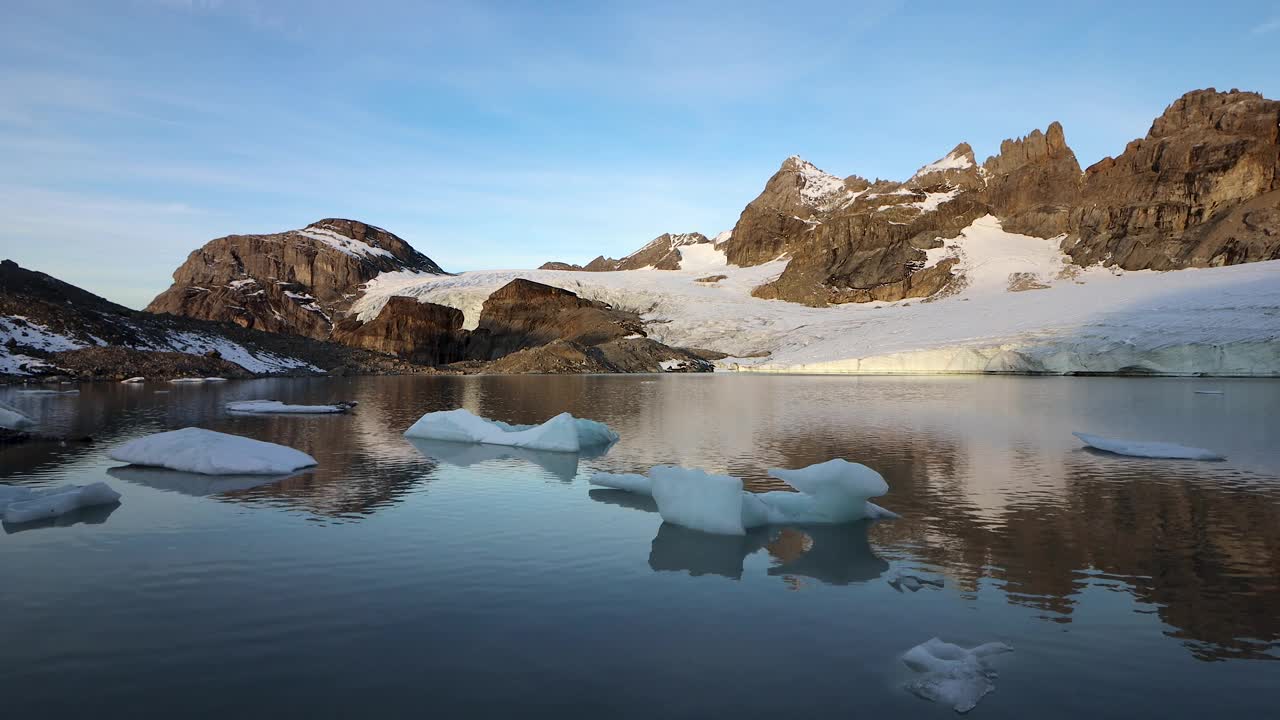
(1202, 189)
(295, 282)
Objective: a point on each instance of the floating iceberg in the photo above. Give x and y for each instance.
(1136, 448)
(189, 483)
(133, 380)
(11, 418)
(951, 674)
(272, 407)
(836, 491)
(701, 501)
(211, 453)
(562, 433)
(197, 381)
(24, 505)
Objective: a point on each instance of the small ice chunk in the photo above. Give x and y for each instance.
(24, 505)
(699, 500)
(11, 418)
(133, 380)
(562, 433)
(44, 391)
(270, 407)
(1146, 449)
(951, 674)
(211, 453)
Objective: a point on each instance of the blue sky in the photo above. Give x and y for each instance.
(507, 134)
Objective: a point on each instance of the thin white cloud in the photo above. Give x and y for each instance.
(1270, 26)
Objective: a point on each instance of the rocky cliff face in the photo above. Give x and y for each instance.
(662, 253)
(420, 332)
(297, 282)
(524, 314)
(49, 327)
(1198, 190)
(1201, 189)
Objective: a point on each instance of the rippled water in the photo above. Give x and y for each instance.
(397, 579)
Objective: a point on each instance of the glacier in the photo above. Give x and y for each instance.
(836, 491)
(207, 452)
(1222, 321)
(562, 433)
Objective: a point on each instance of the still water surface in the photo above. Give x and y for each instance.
(398, 579)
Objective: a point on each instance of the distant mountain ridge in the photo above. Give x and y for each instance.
(661, 253)
(1201, 189)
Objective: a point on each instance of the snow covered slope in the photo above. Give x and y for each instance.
(1019, 307)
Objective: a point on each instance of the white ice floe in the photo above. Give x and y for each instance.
(836, 491)
(952, 675)
(272, 407)
(1147, 449)
(197, 380)
(11, 418)
(133, 380)
(211, 453)
(1216, 321)
(562, 433)
(23, 505)
(46, 391)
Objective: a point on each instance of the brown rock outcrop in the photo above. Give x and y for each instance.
(420, 332)
(1176, 198)
(524, 314)
(117, 342)
(785, 211)
(1203, 188)
(1034, 183)
(296, 282)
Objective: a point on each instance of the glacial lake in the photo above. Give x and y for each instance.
(432, 580)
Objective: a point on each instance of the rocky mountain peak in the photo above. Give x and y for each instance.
(1035, 147)
(660, 253)
(297, 281)
(1202, 188)
(1233, 111)
(956, 169)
